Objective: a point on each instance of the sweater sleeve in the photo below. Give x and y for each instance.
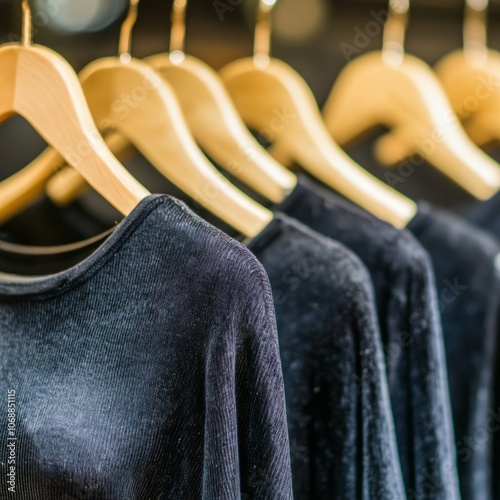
(264, 451)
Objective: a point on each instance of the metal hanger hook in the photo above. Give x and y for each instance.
(27, 33)
(125, 43)
(395, 31)
(475, 30)
(263, 29)
(178, 31)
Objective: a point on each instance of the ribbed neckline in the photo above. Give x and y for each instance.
(55, 284)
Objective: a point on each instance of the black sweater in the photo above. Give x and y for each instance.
(151, 369)
(340, 425)
(405, 294)
(464, 260)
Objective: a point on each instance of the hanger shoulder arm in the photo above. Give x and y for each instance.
(58, 111)
(218, 128)
(135, 102)
(277, 100)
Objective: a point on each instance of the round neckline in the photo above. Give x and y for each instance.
(17, 286)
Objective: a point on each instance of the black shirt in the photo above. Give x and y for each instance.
(405, 294)
(150, 369)
(465, 261)
(340, 426)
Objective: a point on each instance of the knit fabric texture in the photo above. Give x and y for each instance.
(469, 298)
(407, 306)
(150, 369)
(341, 431)
(486, 215)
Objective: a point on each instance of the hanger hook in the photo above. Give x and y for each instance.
(395, 31)
(263, 28)
(178, 31)
(27, 34)
(475, 30)
(125, 44)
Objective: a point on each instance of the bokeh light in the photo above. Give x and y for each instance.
(294, 21)
(76, 16)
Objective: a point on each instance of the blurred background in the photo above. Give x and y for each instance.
(312, 35)
(317, 37)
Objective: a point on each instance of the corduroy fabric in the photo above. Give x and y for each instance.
(469, 295)
(149, 370)
(342, 437)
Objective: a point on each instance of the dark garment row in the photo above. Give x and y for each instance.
(454, 282)
(163, 335)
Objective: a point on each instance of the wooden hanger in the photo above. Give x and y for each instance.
(67, 184)
(471, 78)
(272, 98)
(126, 95)
(39, 85)
(214, 121)
(403, 93)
